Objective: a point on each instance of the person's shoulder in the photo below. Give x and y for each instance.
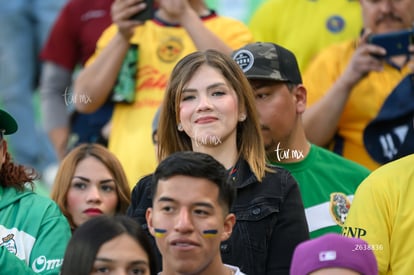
(142, 188)
(390, 180)
(74, 6)
(331, 158)
(276, 170)
(403, 162)
(396, 170)
(337, 49)
(36, 204)
(144, 181)
(279, 174)
(39, 201)
(82, 5)
(108, 34)
(269, 6)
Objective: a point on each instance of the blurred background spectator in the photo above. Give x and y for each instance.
(24, 27)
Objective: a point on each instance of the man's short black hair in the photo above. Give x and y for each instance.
(197, 165)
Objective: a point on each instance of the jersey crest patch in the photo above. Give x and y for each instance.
(9, 243)
(170, 50)
(339, 205)
(335, 24)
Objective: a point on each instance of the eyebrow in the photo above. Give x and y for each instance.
(209, 87)
(168, 199)
(88, 180)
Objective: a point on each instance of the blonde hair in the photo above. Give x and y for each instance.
(249, 140)
(67, 169)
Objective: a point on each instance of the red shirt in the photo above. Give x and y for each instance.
(73, 37)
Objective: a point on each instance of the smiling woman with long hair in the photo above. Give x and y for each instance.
(209, 107)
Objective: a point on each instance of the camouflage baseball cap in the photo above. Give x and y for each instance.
(262, 60)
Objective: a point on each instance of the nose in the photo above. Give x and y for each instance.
(184, 223)
(204, 103)
(121, 271)
(93, 195)
(386, 5)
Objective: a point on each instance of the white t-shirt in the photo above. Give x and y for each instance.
(235, 269)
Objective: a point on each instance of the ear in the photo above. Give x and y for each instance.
(148, 217)
(229, 223)
(300, 94)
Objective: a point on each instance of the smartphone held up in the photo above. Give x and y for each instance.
(146, 14)
(395, 43)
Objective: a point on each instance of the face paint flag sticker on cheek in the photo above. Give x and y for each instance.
(210, 233)
(160, 233)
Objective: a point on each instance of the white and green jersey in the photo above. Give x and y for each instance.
(33, 233)
(327, 183)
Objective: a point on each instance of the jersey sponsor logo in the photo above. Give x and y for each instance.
(389, 144)
(339, 205)
(170, 50)
(150, 77)
(9, 243)
(354, 232)
(41, 264)
(93, 14)
(335, 24)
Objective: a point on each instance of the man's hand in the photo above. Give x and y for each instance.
(363, 61)
(174, 8)
(121, 13)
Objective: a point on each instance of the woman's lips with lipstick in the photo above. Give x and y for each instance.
(207, 119)
(93, 212)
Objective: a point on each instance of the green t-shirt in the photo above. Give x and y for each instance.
(327, 183)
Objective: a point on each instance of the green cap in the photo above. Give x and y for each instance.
(7, 123)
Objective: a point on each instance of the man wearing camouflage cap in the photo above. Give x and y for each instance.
(326, 180)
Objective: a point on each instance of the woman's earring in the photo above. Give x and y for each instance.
(180, 127)
(242, 117)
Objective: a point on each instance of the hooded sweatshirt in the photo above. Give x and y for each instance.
(33, 233)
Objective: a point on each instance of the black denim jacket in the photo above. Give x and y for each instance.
(270, 220)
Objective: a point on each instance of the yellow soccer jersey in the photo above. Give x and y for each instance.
(305, 27)
(364, 102)
(160, 46)
(382, 214)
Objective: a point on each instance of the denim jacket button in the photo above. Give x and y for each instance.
(256, 211)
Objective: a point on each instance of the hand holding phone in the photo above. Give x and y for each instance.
(395, 43)
(146, 14)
